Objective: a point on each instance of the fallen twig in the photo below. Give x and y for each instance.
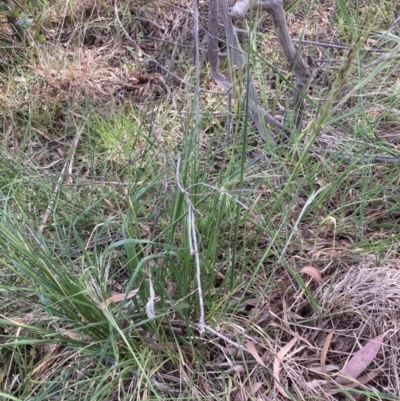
(192, 243)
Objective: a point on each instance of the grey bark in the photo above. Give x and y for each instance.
(301, 70)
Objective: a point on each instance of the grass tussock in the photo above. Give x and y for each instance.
(154, 247)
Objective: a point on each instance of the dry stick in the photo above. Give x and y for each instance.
(393, 55)
(336, 46)
(236, 52)
(226, 339)
(257, 113)
(201, 326)
(192, 243)
(395, 23)
(234, 48)
(67, 166)
(321, 44)
(301, 70)
(191, 215)
(379, 159)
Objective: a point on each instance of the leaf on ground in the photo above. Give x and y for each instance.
(111, 204)
(360, 360)
(120, 297)
(277, 364)
(314, 384)
(67, 331)
(241, 302)
(363, 380)
(251, 347)
(368, 377)
(245, 393)
(312, 272)
(25, 319)
(325, 351)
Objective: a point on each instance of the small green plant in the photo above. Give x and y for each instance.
(20, 16)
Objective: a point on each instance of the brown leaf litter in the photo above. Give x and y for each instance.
(337, 346)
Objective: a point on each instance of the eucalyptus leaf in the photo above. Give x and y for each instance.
(25, 23)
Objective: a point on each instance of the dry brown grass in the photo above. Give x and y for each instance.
(89, 60)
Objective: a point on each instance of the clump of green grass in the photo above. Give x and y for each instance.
(104, 235)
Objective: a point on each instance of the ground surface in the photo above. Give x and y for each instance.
(119, 196)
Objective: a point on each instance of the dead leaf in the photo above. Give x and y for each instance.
(360, 360)
(251, 347)
(314, 384)
(60, 152)
(366, 378)
(277, 364)
(120, 297)
(264, 318)
(325, 351)
(362, 380)
(294, 316)
(113, 205)
(329, 368)
(70, 334)
(25, 319)
(248, 391)
(241, 302)
(312, 272)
